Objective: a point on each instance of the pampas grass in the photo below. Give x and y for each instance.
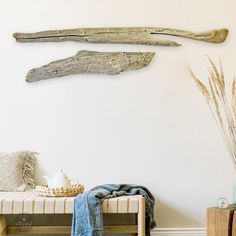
(221, 104)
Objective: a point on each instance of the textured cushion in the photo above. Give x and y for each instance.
(17, 171)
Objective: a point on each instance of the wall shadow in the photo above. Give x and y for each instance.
(168, 217)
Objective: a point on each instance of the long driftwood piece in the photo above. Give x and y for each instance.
(131, 35)
(92, 62)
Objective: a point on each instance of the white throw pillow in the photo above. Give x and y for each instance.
(17, 171)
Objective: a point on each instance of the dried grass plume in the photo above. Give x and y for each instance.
(221, 104)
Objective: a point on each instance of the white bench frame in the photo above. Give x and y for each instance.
(30, 203)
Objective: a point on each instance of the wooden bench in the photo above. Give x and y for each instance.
(12, 203)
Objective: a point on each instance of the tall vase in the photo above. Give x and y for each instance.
(234, 193)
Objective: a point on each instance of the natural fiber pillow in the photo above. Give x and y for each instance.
(17, 171)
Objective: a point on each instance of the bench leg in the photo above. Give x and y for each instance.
(141, 217)
(3, 226)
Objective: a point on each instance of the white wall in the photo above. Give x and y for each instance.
(149, 127)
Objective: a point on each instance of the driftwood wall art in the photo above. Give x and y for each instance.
(108, 62)
(92, 62)
(131, 35)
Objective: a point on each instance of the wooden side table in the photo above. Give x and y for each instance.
(221, 222)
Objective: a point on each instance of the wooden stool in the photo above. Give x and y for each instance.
(221, 222)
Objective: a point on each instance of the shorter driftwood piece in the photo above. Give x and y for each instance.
(92, 62)
(130, 35)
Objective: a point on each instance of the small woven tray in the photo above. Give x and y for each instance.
(73, 191)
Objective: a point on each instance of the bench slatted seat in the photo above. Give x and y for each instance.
(31, 203)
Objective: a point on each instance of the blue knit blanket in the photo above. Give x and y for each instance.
(88, 217)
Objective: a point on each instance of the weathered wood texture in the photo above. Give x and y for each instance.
(92, 62)
(131, 35)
